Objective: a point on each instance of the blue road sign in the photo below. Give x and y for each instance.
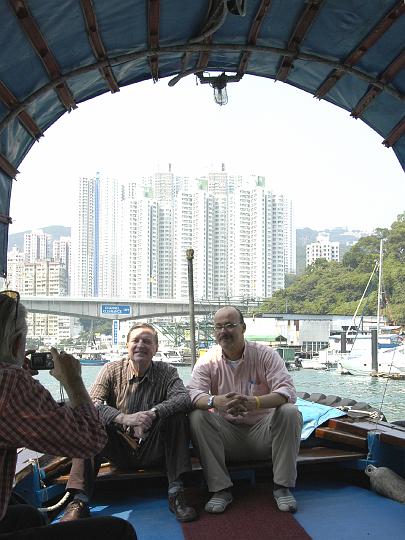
(115, 309)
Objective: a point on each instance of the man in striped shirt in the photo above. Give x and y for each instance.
(143, 406)
(29, 417)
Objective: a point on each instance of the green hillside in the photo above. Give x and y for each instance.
(336, 288)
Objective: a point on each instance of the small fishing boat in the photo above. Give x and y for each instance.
(171, 356)
(92, 357)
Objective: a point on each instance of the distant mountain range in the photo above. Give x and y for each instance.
(56, 231)
(304, 236)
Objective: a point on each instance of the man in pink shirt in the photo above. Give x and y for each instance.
(243, 398)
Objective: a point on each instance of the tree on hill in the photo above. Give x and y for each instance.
(336, 288)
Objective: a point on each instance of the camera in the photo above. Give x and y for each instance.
(41, 360)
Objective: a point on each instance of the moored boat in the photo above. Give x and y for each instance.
(391, 361)
(171, 356)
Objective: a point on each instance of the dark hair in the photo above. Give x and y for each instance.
(144, 325)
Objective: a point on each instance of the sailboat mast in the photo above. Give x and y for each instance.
(379, 288)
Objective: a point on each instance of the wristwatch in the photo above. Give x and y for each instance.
(154, 409)
(210, 402)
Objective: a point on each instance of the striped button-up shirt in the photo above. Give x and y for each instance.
(31, 418)
(117, 390)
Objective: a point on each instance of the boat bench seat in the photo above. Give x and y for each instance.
(339, 440)
(307, 456)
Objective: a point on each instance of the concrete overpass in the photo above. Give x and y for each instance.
(124, 309)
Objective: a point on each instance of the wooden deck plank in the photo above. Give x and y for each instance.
(341, 437)
(389, 433)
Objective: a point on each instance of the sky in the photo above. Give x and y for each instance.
(333, 167)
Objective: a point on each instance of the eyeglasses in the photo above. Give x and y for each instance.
(14, 295)
(226, 326)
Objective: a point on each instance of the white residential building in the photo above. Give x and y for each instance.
(37, 245)
(131, 241)
(260, 242)
(163, 186)
(85, 238)
(322, 249)
(15, 269)
(108, 224)
(164, 259)
(203, 239)
(62, 251)
(183, 239)
(138, 266)
(45, 278)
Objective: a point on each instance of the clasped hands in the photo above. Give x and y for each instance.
(138, 424)
(234, 404)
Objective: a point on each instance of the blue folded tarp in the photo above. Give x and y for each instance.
(315, 414)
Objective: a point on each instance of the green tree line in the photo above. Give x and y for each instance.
(336, 288)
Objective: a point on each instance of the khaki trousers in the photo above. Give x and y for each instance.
(276, 436)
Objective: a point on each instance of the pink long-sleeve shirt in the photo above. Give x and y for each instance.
(260, 371)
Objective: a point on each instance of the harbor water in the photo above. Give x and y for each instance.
(385, 394)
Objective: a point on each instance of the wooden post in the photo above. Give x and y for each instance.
(190, 258)
(343, 342)
(374, 349)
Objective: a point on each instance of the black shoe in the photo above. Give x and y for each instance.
(178, 506)
(76, 510)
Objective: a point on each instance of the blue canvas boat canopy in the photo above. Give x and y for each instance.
(56, 54)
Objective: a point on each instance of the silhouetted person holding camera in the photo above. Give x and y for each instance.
(30, 417)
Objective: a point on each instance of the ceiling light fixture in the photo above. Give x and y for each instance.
(218, 83)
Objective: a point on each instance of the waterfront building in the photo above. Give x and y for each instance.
(240, 231)
(108, 221)
(261, 245)
(15, 269)
(163, 187)
(45, 277)
(131, 241)
(85, 237)
(203, 240)
(164, 251)
(183, 239)
(138, 267)
(322, 249)
(37, 245)
(62, 251)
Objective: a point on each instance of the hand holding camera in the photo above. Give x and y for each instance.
(67, 368)
(41, 360)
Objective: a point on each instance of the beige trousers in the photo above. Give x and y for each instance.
(276, 437)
